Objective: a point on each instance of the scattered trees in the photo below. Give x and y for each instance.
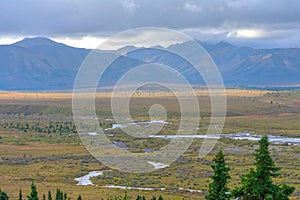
(63, 196)
(49, 128)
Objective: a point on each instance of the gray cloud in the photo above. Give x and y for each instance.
(211, 20)
(191, 6)
(130, 6)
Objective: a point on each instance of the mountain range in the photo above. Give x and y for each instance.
(42, 64)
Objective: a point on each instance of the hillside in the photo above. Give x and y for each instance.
(42, 64)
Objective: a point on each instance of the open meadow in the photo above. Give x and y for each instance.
(39, 142)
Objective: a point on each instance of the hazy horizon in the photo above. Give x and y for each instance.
(71, 44)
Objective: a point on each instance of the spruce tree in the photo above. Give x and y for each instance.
(139, 197)
(3, 196)
(33, 194)
(20, 195)
(79, 198)
(218, 188)
(59, 194)
(258, 183)
(49, 195)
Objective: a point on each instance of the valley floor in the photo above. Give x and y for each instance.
(38, 142)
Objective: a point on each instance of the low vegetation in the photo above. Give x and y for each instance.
(257, 184)
(38, 142)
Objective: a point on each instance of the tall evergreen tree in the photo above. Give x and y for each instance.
(59, 194)
(33, 194)
(218, 188)
(20, 195)
(49, 195)
(258, 183)
(139, 197)
(79, 198)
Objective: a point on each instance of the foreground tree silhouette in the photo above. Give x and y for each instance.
(49, 195)
(3, 195)
(33, 194)
(258, 184)
(20, 195)
(140, 197)
(218, 188)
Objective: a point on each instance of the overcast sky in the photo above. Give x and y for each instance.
(255, 23)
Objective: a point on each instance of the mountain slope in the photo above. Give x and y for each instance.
(42, 64)
(38, 64)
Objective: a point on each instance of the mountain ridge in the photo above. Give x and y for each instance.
(43, 64)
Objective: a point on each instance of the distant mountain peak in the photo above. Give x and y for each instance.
(37, 41)
(224, 44)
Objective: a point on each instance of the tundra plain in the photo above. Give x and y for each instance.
(38, 142)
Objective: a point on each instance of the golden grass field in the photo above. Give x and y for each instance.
(45, 95)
